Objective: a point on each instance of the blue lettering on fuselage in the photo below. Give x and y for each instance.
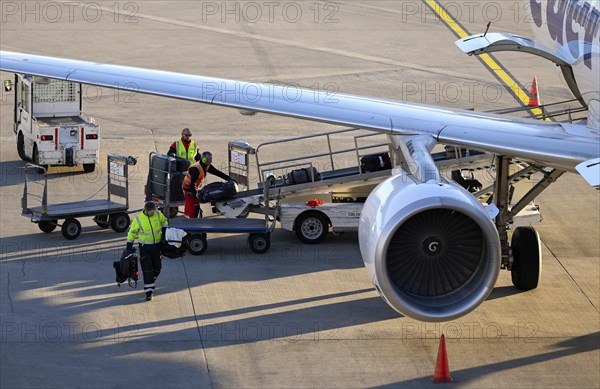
(562, 16)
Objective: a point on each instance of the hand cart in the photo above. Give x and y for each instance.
(106, 212)
(162, 170)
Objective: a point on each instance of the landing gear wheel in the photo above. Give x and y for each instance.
(197, 244)
(259, 243)
(527, 258)
(21, 147)
(71, 229)
(102, 221)
(48, 226)
(173, 211)
(119, 222)
(36, 160)
(89, 167)
(311, 227)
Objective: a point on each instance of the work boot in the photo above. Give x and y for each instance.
(148, 295)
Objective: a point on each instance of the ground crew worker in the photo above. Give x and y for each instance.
(193, 182)
(147, 228)
(185, 147)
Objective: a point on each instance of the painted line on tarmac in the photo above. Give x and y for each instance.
(490, 62)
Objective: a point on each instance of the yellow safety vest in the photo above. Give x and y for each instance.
(148, 230)
(189, 154)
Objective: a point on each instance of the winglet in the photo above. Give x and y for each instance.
(590, 170)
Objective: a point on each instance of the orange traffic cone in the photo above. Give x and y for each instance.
(441, 373)
(534, 96)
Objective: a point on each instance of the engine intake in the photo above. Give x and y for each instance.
(431, 248)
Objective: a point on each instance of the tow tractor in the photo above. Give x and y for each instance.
(111, 212)
(49, 127)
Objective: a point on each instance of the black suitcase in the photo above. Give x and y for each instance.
(375, 162)
(217, 191)
(182, 165)
(301, 176)
(176, 189)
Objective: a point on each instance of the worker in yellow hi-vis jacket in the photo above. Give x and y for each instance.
(147, 228)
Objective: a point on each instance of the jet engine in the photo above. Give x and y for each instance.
(431, 249)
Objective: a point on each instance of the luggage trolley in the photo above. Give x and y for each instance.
(106, 212)
(258, 230)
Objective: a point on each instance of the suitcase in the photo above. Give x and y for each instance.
(176, 189)
(182, 165)
(301, 176)
(217, 191)
(159, 171)
(375, 162)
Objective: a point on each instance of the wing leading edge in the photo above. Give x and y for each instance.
(559, 145)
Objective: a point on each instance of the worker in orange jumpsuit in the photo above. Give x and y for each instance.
(193, 182)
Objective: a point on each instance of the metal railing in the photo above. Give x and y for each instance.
(308, 160)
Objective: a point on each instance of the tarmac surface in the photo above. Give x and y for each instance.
(298, 316)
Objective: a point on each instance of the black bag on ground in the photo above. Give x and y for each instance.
(217, 191)
(375, 162)
(169, 250)
(126, 269)
(176, 189)
(301, 176)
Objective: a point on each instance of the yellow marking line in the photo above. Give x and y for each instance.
(491, 64)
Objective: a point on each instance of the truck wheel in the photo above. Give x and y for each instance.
(102, 221)
(71, 229)
(259, 243)
(21, 147)
(119, 222)
(197, 244)
(36, 160)
(311, 227)
(48, 226)
(89, 167)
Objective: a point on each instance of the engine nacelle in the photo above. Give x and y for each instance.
(431, 249)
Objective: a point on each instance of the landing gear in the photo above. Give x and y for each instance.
(523, 256)
(527, 258)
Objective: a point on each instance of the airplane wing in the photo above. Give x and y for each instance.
(559, 145)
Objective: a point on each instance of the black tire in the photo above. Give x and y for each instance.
(197, 244)
(173, 211)
(311, 227)
(35, 158)
(102, 221)
(259, 243)
(48, 226)
(71, 229)
(244, 214)
(89, 167)
(21, 147)
(119, 222)
(527, 258)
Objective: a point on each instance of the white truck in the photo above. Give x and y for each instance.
(48, 125)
